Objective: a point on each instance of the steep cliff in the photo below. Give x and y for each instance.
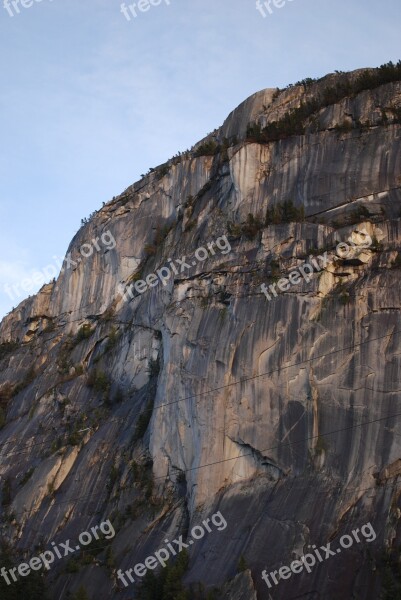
(158, 407)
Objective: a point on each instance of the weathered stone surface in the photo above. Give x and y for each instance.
(279, 414)
(240, 588)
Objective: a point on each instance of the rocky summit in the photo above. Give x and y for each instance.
(153, 385)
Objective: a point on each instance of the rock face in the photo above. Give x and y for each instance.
(199, 395)
(240, 588)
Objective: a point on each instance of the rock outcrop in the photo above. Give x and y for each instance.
(199, 395)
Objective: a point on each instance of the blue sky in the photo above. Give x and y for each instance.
(89, 100)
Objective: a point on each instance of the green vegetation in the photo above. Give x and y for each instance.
(181, 477)
(64, 363)
(98, 380)
(234, 230)
(79, 370)
(49, 327)
(27, 476)
(112, 339)
(113, 477)
(307, 82)
(72, 566)
(294, 122)
(345, 298)
(359, 214)
(57, 444)
(143, 481)
(242, 565)
(167, 585)
(252, 226)
(136, 276)
(376, 246)
(31, 587)
(161, 233)
(388, 566)
(210, 148)
(275, 268)
(154, 368)
(84, 333)
(118, 396)
(321, 445)
(284, 212)
(81, 594)
(144, 418)
(108, 314)
(6, 393)
(344, 127)
(7, 347)
(162, 171)
(143, 422)
(190, 225)
(6, 492)
(75, 435)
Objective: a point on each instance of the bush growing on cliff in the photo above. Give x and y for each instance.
(162, 232)
(81, 594)
(242, 565)
(6, 492)
(293, 122)
(98, 380)
(168, 584)
(7, 348)
(285, 212)
(28, 474)
(143, 422)
(252, 226)
(388, 567)
(209, 148)
(6, 393)
(234, 230)
(31, 587)
(154, 367)
(84, 333)
(163, 171)
(112, 339)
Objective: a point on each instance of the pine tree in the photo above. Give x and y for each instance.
(81, 594)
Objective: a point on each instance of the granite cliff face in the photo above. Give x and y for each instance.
(200, 395)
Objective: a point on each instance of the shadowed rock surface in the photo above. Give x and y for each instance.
(200, 395)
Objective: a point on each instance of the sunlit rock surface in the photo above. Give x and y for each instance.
(283, 415)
